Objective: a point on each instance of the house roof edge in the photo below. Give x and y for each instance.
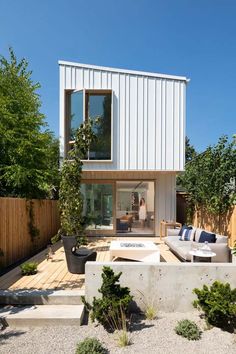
(123, 71)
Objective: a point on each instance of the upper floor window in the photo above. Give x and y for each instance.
(95, 105)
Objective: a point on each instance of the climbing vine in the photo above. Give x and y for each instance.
(70, 197)
(33, 230)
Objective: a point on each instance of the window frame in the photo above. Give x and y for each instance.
(98, 92)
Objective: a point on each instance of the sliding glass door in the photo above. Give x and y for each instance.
(135, 207)
(98, 205)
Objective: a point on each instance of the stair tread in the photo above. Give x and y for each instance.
(43, 311)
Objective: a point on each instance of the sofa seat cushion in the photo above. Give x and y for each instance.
(180, 248)
(221, 239)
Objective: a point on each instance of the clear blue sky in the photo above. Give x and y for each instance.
(193, 38)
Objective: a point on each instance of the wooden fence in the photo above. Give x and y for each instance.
(16, 240)
(225, 225)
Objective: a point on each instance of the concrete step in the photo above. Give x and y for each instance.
(41, 297)
(42, 315)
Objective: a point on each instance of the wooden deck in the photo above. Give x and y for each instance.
(53, 274)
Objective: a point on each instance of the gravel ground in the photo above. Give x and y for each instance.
(150, 337)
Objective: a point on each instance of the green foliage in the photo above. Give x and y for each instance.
(29, 268)
(218, 304)
(209, 178)
(234, 249)
(33, 230)
(190, 152)
(28, 152)
(188, 329)
(71, 199)
(90, 346)
(150, 312)
(123, 338)
(55, 239)
(150, 308)
(109, 310)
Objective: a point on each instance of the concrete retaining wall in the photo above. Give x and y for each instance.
(166, 286)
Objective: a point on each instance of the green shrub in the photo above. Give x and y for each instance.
(150, 313)
(123, 338)
(55, 238)
(110, 309)
(29, 268)
(218, 304)
(90, 346)
(188, 329)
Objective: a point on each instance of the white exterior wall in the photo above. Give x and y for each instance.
(165, 198)
(148, 116)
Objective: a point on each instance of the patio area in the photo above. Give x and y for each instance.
(53, 274)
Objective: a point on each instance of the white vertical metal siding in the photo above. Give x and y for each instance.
(165, 198)
(148, 117)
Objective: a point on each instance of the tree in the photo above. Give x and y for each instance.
(190, 152)
(28, 155)
(210, 177)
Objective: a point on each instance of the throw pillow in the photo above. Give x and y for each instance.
(184, 227)
(188, 235)
(207, 236)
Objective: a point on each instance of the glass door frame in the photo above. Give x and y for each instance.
(113, 182)
(138, 180)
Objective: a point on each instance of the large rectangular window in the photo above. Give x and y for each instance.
(98, 205)
(76, 112)
(97, 106)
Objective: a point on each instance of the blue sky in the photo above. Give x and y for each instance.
(184, 37)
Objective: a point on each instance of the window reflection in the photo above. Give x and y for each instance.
(98, 108)
(76, 112)
(97, 206)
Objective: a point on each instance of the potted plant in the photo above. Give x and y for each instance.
(72, 229)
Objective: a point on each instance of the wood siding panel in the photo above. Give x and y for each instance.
(15, 239)
(225, 226)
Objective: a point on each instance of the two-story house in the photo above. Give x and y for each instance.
(129, 175)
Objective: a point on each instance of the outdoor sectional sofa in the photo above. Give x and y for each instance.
(181, 248)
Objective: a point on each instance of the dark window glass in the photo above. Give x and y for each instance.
(76, 112)
(98, 206)
(98, 108)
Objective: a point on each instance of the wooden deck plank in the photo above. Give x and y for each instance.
(11, 277)
(43, 269)
(53, 274)
(49, 268)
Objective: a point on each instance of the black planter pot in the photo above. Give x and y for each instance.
(76, 258)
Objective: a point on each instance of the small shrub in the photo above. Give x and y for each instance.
(218, 304)
(120, 324)
(113, 306)
(90, 346)
(188, 329)
(150, 313)
(123, 338)
(29, 268)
